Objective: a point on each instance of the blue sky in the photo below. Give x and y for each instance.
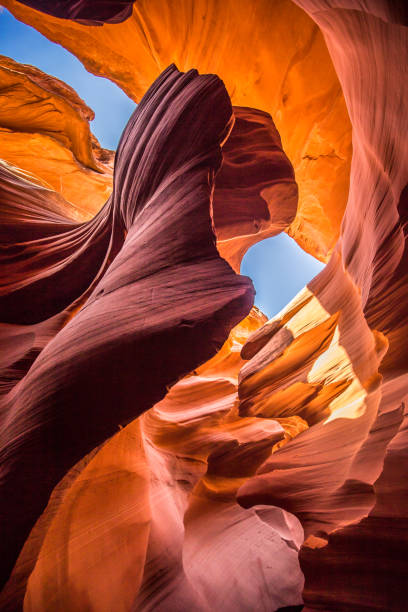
(279, 268)
(112, 107)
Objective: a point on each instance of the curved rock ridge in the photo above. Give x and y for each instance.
(337, 355)
(371, 65)
(256, 195)
(29, 108)
(44, 130)
(44, 251)
(90, 12)
(310, 366)
(46, 133)
(215, 484)
(171, 476)
(43, 248)
(295, 83)
(146, 277)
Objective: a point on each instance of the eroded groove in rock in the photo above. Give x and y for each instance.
(376, 254)
(166, 287)
(314, 368)
(179, 492)
(256, 195)
(316, 427)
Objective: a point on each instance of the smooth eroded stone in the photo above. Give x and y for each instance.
(150, 290)
(270, 55)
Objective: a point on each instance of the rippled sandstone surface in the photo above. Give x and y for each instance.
(273, 472)
(241, 42)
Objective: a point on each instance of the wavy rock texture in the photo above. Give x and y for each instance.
(42, 292)
(297, 427)
(46, 133)
(44, 130)
(172, 477)
(242, 43)
(145, 268)
(369, 64)
(256, 194)
(337, 355)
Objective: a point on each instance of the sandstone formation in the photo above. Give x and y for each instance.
(44, 130)
(152, 250)
(284, 442)
(241, 42)
(347, 468)
(43, 295)
(256, 195)
(170, 475)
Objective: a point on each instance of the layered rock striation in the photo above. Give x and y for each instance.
(64, 284)
(151, 461)
(348, 465)
(85, 11)
(127, 270)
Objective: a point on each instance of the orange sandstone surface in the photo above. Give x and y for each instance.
(273, 473)
(44, 130)
(270, 55)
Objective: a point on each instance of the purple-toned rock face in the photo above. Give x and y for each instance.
(147, 278)
(90, 12)
(150, 478)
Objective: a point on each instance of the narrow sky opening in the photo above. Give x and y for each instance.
(278, 267)
(111, 105)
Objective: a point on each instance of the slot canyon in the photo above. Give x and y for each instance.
(164, 446)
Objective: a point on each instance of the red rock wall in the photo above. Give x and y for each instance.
(290, 442)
